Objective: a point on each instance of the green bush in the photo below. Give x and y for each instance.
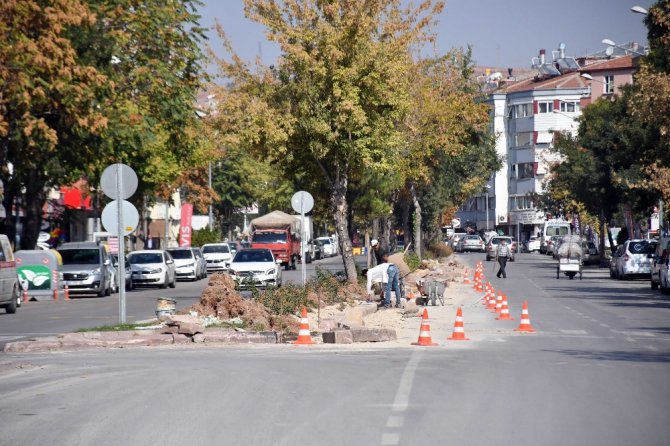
(203, 236)
(412, 260)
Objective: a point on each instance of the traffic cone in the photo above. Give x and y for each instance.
(466, 278)
(304, 336)
(499, 301)
(26, 298)
(67, 293)
(525, 320)
(424, 332)
(491, 300)
(56, 294)
(459, 332)
(504, 311)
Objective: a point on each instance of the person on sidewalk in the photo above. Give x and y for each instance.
(393, 274)
(502, 254)
(377, 251)
(377, 274)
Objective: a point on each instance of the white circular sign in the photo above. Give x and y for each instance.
(302, 202)
(118, 173)
(129, 214)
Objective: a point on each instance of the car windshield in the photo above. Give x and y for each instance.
(80, 256)
(270, 237)
(181, 253)
(324, 241)
(641, 247)
(253, 256)
(225, 249)
(557, 230)
(497, 240)
(472, 237)
(145, 257)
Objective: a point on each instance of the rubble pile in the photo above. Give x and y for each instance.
(221, 300)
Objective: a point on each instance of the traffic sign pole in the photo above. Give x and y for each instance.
(121, 273)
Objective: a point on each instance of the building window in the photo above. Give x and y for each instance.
(523, 139)
(569, 106)
(609, 84)
(522, 171)
(545, 107)
(520, 203)
(521, 110)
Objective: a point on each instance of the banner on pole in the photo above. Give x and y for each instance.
(185, 226)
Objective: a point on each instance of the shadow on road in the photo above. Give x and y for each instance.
(620, 355)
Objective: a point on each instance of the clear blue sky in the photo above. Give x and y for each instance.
(502, 33)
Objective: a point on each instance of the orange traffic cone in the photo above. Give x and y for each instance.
(466, 279)
(424, 333)
(459, 332)
(304, 336)
(67, 293)
(499, 301)
(504, 311)
(525, 320)
(491, 302)
(26, 298)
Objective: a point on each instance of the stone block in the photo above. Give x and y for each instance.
(328, 324)
(234, 337)
(181, 339)
(354, 316)
(338, 337)
(373, 334)
(190, 328)
(42, 345)
(410, 308)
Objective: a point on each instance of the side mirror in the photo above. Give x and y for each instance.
(106, 262)
(169, 262)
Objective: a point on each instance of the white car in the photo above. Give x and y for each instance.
(153, 267)
(328, 248)
(218, 256)
(255, 267)
(533, 244)
(186, 263)
(635, 259)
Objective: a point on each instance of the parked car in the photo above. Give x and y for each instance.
(660, 258)
(471, 243)
(86, 268)
(552, 244)
(635, 259)
(234, 247)
(328, 248)
(256, 267)
(128, 276)
(492, 247)
(202, 263)
(218, 256)
(10, 294)
(533, 244)
(153, 267)
(186, 264)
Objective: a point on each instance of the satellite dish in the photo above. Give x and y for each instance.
(609, 51)
(561, 46)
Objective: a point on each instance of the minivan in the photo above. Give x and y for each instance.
(10, 295)
(86, 268)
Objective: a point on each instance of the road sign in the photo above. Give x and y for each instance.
(126, 178)
(129, 215)
(302, 202)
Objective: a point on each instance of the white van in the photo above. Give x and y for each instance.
(553, 228)
(10, 294)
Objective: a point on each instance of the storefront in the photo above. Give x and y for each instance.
(523, 224)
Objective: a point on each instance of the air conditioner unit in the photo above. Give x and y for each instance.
(501, 218)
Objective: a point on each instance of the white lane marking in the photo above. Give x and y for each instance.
(390, 439)
(574, 332)
(651, 347)
(401, 400)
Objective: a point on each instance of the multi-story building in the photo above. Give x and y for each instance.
(526, 114)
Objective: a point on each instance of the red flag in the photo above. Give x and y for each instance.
(185, 229)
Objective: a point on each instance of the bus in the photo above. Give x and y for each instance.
(552, 228)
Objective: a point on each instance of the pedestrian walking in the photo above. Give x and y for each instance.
(502, 254)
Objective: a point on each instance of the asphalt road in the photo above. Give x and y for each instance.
(46, 318)
(595, 373)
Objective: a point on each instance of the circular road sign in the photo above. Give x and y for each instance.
(115, 172)
(110, 217)
(302, 202)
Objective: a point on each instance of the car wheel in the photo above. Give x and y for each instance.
(130, 286)
(108, 291)
(113, 288)
(13, 302)
(166, 281)
(174, 282)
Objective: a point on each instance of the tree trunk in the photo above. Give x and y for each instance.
(405, 222)
(603, 260)
(339, 206)
(33, 208)
(10, 219)
(417, 222)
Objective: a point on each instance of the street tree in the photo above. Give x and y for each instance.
(330, 107)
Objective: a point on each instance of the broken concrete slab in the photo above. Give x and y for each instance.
(373, 334)
(338, 337)
(235, 337)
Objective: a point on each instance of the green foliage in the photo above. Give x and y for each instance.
(202, 236)
(117, 327)
(412, 260)
(289, 299)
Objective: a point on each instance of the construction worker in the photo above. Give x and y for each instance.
(377, 251)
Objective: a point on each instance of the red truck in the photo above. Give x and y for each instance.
(279, 232)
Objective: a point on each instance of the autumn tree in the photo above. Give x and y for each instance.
(49, 104)
(331, 105)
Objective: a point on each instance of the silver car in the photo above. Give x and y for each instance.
(87, 268)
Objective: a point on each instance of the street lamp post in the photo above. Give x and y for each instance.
(488, 187)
